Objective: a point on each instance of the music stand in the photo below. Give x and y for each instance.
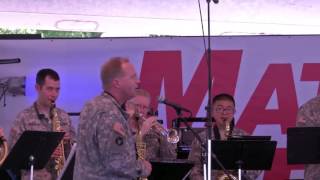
(176, 123)
(67, 170)
(174, 169)
(246, 138)
(244, 154)
(32, 150)
(303, 145)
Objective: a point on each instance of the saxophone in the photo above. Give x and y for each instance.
(227, 130)
(220, 175)
(56, 126)
(141, 146)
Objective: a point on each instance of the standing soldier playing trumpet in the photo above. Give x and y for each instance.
(38, 117)
(105, 143)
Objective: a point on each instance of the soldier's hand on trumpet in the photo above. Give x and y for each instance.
(147, 124)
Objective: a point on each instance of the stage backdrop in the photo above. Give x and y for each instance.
(270, 77)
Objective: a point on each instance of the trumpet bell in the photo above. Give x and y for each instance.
(173, 136)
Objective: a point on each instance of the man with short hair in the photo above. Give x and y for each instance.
(223, 111)
(105, 142)
(38, 118)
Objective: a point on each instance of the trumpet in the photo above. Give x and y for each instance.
(171, 134)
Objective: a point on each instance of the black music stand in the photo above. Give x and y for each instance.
(303, 145)
(175, 169)
(246, 138)
(176, 123)
(244, 154)
(32, 150)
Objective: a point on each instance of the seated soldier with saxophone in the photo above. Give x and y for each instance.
(158, 145)
(43, 115)
(223, 110)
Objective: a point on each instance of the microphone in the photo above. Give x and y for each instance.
(10, 61)
(216, 1)
(177, 107)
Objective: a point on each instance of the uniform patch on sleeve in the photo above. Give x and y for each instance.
(118, 128)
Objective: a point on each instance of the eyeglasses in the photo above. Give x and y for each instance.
(140, 106)
(228, 110)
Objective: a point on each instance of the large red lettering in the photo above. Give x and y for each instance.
(165, 66)
(279, 78)
(310, 72)
(280, 169)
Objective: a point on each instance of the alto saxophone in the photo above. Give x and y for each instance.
(141, 146)
(227, 130)
(56, 126)
(220, 175)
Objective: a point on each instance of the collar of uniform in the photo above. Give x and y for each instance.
(120, 107)
(39, 115)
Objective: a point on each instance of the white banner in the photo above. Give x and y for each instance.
(270, 77)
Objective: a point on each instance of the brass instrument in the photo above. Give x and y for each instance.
(227, 130)
(220, 175)
(3, 149)
(141, 146)
(171, 134)
(56, 126)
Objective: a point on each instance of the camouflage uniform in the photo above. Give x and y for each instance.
(309, 116)
(28, 120)
(157, 146)
(102, 152)
(195, 156)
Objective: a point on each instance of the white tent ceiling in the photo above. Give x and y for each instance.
(163, 17)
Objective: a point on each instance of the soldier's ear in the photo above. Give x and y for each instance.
(38, 87)
(116, 83)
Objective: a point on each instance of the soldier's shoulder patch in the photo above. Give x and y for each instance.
(118, 128)
(119, 140)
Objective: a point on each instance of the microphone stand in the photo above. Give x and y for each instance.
(204, 148)
(203, 145)
(209, 115)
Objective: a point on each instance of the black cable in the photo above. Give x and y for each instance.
(209, 115)
(203, 36)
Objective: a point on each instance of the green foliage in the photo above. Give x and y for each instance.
(16, 31)
(52, 34)
(67, 34)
